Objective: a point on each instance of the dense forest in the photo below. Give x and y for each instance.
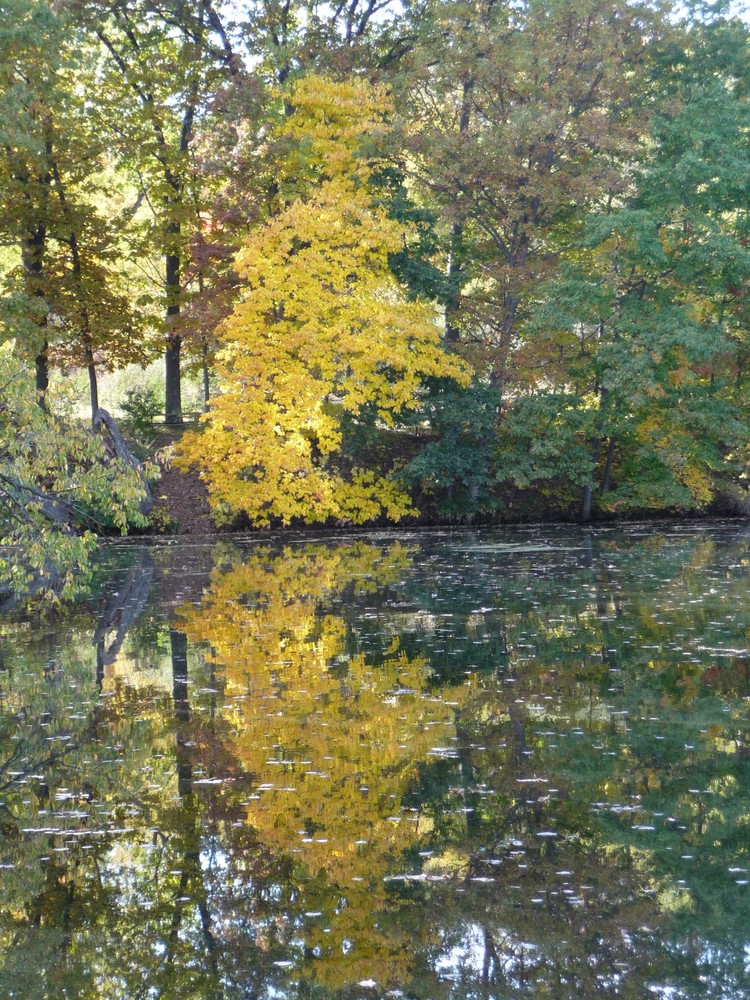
(457, 257)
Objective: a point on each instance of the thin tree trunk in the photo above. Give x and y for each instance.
(587, 501)
(88, 343)
(41, 367)
(206, 384)
(93, 390)
(33, 246)
(174, 173)
(173, 388)
(607, 478)
(176, 181)
(452, 307)
(32, 255)
(455, 266)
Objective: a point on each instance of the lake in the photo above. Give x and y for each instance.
(439, 765)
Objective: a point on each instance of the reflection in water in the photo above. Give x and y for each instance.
(457, 765)
(332, 738)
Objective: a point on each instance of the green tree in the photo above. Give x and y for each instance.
(67, 300)
(523, 120)
(648, 323)
(162, 65)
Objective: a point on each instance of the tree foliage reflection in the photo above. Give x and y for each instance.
(457, 766)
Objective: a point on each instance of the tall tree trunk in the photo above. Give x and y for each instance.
(41, 367)
(607, 477)
(206, 383)
(587, 501)
(173, 388)
(93, 389)
(33, 246)
(128, 59)
(455, 266)
(84, 315)
(452, 306)
(32, 256)
(176, 181)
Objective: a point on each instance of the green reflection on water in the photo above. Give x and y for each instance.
(439, 765)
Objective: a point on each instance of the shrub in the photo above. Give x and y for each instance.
(141, 407)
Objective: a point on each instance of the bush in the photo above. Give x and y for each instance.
(141, 407)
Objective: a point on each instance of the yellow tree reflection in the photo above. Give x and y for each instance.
(334, 736)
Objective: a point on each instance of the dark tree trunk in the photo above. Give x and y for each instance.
(587, 503)
(452, 307)
(88, 343)
(93, 390)
(32, 255)
(173, 388)
(607, 478)
(41, 366)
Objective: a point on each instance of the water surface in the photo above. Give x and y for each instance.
(438, 765)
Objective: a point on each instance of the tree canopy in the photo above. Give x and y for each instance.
(463, 259)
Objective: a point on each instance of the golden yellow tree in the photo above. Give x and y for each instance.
(324, 330)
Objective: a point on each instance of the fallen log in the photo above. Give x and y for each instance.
(104, 419)
(55, 509)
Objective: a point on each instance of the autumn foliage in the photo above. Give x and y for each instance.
(485, 259)
(324, 329)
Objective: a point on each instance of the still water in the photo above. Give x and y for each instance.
(434, 765)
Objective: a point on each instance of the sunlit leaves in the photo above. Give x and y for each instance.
(58, 486)
(324, 330)
(67, 272)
